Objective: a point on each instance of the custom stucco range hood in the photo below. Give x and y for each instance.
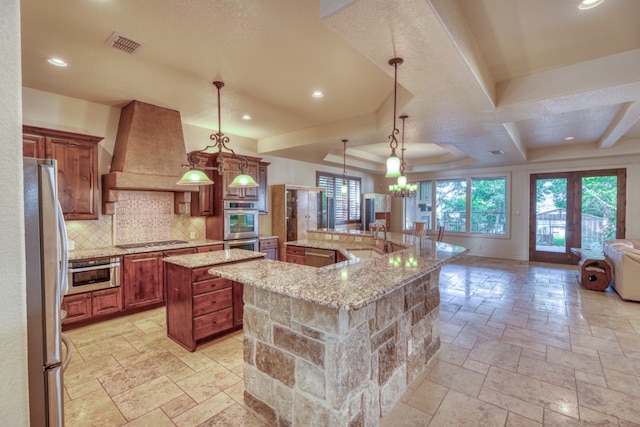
(148, 154)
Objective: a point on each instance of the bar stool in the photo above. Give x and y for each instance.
(419, 228)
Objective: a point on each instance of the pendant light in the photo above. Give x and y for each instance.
(393, 162)
(196, 176)
(344, 188)
(402, 189)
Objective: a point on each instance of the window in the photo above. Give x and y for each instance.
(451, 205)
(343, 208)
(464, 205)
(488, 205)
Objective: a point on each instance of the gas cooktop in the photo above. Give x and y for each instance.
(151, 244)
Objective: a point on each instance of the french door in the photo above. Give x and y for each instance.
(575, 210)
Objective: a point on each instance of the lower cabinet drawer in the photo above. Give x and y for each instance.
(210, 285)
(212, 301)
(212, 323)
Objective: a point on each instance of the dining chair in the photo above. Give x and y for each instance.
(419, 228)
(440, 233)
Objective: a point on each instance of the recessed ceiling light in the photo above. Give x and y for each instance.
(496, 152)
(246, 117)
(589, 4)
(569, 138)
(57, 62)
(317, 94)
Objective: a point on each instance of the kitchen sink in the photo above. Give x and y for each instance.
(365, 253)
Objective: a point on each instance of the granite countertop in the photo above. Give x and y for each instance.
(267, 237)
(213, 258)
(347, 285)
(111, 251)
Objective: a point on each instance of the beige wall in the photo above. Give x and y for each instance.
(517, 246)
(13, 320)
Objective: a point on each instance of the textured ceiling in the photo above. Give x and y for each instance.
(479, 75)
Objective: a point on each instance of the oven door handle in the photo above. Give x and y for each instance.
(97, 267)
(241, 211)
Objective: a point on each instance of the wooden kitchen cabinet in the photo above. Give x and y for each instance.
(143, 280)
(199, 305)
(202, 204)
(232, 169)
(295, 210)
(77, 162)
(295, 254)
(105, 302)
(78, 307)
(238, 303)
(210, 248)
(263, 191)
(270, 248)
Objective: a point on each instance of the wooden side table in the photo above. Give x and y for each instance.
(594, 272)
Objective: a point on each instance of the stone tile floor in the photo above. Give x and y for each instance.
(522, 345)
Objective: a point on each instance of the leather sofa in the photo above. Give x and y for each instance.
(624, 257)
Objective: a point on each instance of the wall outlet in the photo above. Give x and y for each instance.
(336, 237)
(327, 236)
(192, 235)
(71, 245)
(410, 347)
(358, 239)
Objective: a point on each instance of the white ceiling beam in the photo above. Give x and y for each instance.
(626, 117)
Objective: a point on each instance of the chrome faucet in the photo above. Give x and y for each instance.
(386, 244)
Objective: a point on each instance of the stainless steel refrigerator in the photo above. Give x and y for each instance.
(46, 262)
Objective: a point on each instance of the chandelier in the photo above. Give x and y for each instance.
(196, 176)
(393, 162)
(402, 189)
(344, 188)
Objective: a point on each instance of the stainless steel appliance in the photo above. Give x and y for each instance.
(93, 275)
(319, 257)
(247, 244)
(46, 260)
(240, 220)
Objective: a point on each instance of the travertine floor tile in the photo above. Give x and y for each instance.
(204, 411)
(93, 409)
(427, 397)
(456, 378)
(155, 418)
(460, 410)
(235, 416)
(146, 397)
(207, 383)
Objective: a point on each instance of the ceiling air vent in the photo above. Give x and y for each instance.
(117, 41)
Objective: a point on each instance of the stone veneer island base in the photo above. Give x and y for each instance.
(312, 359)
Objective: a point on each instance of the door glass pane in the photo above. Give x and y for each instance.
(418, 209)
(451, 205)
(551, 214)
(599, 210)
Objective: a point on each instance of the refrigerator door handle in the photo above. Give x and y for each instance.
(64, 268)
(67, 344)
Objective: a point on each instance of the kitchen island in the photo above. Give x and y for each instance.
(338, 345)
(201, 306)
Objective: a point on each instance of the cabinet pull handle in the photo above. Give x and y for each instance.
(215, 321)
(143, 259)
(214, 301)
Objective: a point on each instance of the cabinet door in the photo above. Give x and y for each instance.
(202, 205)
(312, 210)
(33, 146)
(77, 176)
(238, 303)
(263, 195)
(142, 279)
(302, 214)
(106, 302)
(232, 169)
(78, 307)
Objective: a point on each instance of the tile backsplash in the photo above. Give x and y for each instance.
(140, 216)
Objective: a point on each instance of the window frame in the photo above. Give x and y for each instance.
(354, 196)
(468, 214)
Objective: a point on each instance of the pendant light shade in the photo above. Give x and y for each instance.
(393, 166)
(243, 181)
(402, 180)
(194, 177)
